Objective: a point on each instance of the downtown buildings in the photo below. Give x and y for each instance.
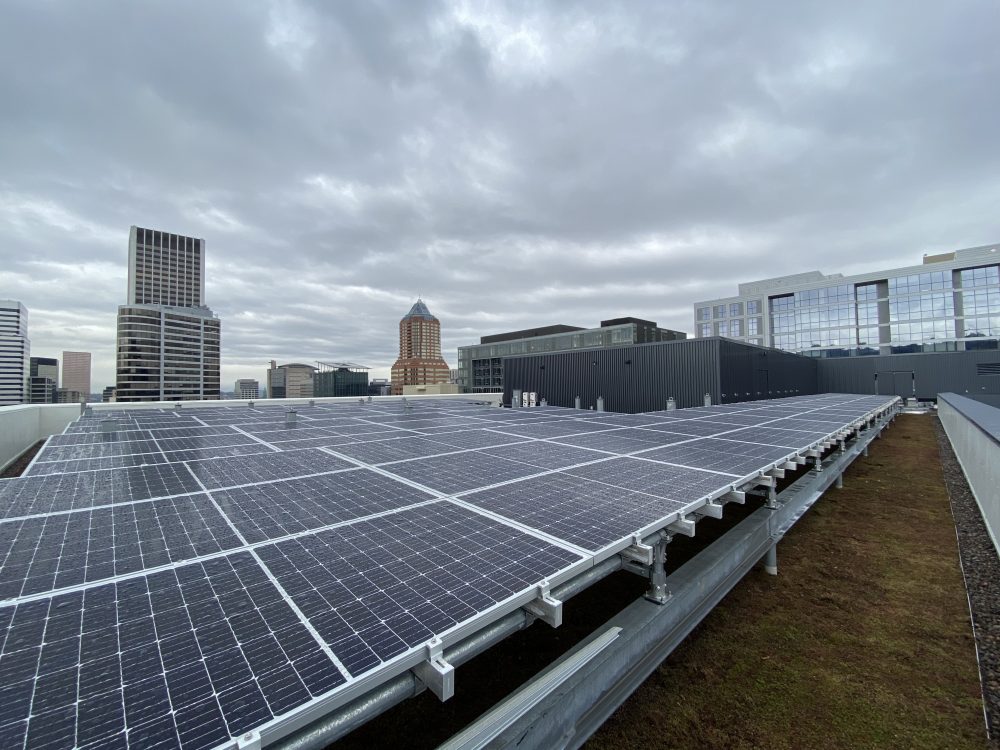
(76, 375)
(949, 303)
(168, 339)
(15, 352)
(420, 361)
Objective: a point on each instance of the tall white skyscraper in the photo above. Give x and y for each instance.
(15, 352)
(168, 339)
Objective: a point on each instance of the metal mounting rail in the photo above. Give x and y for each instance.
(565, 706)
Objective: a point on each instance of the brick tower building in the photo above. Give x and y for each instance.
(420, 361)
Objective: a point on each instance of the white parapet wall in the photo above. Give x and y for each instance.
(974, 431)
(23, 426)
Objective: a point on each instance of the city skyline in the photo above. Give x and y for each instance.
(513, 168)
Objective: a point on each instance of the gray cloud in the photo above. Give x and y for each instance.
(517, 164)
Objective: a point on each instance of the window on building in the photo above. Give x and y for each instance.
(704, 313)
(866, 292)
(705, 330)
(985, 276)
(722, 328)
(719, 311)
(753, 326)
(753, 307)
(736, 327)
(735, 309)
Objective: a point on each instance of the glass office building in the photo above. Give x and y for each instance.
(949, 303)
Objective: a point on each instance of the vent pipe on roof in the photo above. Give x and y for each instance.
(109, 426)
(515, 398)
(708, 399)
(291, 417)
(576, 403)
(177, 406)
(250, 404)
(88, 411)
(543, 402)
(312, 402)
(369, 399)
(671, 404)
(600, 403)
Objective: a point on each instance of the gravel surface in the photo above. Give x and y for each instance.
(981, 567)
(22, 461)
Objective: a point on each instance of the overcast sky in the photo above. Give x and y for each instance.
(516, 164)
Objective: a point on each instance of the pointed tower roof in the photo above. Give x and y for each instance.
(419, 310)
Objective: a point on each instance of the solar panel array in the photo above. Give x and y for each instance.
(208, 571)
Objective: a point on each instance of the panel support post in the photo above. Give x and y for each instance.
(657, 591)
(865, 451)
(840, 481)
(771, 560)
(818, 463)
(772, 498)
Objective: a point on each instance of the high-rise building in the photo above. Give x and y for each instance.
(246, 388)
(43, 380)
(949, 303)
(168, 340)
(420, 361)
(76, 372)
(294, 380)
(15, 352)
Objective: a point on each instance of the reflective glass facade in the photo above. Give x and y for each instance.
(951, 303)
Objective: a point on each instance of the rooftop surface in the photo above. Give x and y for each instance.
(284, 565)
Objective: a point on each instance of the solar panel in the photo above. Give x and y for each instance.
(215, 583)
(277, 509)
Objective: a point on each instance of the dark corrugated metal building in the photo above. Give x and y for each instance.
(641, 377)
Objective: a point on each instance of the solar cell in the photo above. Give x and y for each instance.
(61, 492)
(677, 483)
(99, 450)
(545, 455)
(729, 456)
(186, 657)
(196, 454)
(792, 439)
(476, 439)
(575, 509)
(41, 468)
(459, 472)
(66, 549)
(623, 440)
(277, 509)
(394, 449)
(374, 591)
(215, 473)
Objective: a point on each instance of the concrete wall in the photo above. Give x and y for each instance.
(23, 426)
(974, 431)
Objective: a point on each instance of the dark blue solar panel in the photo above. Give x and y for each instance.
(188, 657)
(377, 589)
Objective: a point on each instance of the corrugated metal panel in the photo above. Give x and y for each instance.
(749, 373)
(631, 379)
(932, 373)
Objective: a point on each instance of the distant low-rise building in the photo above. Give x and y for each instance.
(67, 396)
(294, 380)
(379, 387)
(108, 396)
(480, 366)
(246, 389)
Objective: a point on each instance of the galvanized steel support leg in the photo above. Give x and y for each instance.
(771, 560)
(657, 591)
(772, 498)
(840, 481)
(818, 463)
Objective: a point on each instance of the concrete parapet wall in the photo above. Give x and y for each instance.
(23, 426)
(974, 431)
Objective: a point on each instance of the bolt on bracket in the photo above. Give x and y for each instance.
(249, 741)
(638, 552)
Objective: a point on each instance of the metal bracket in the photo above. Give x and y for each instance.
(638, 552)
(436, 673)
(545, 607)
(735, 496)
(777, 473)
(766, 480)
(682, 525)
(711, 509)
(249, 741)
(789, 466)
